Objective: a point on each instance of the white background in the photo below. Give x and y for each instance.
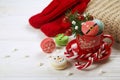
(20, 53)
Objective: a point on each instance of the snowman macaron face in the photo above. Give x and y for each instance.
(58, 59)
(59, 62)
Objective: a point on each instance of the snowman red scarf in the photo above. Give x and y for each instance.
(51, 20)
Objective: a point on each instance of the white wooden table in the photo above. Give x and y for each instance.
(20, 54)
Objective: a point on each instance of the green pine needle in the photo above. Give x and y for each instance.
(74, 17)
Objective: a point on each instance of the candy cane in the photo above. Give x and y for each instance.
(68, 54)
(90, 56)
(84, 65)
(102, 50)
(71, 54)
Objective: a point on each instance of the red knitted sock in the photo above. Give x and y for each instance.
(34, 19)
(56, 10)
(50, 7)
(58, 26)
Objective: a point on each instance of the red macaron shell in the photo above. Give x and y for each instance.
(90, 28)
(48, 45)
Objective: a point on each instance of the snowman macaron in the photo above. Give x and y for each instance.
(59, 62)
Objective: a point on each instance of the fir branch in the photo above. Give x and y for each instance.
(74, 19)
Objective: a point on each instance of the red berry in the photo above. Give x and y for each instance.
(90, 17)
(68, 32)
(65, 19)
(81, 17)
(65, 23)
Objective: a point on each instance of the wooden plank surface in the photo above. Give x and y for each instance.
(20, 53)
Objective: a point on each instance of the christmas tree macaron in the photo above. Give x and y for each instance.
(90, 28)
(61, 39)
(100, 24)
(59, 62)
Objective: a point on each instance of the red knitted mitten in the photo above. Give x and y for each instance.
(55, 9)
(34, 20)
(58, 25)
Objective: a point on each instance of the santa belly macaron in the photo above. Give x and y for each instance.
(48, 45)
(59, 62)
(90, 28)
(100, 24)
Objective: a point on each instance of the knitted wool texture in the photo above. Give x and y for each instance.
(107, 11)
(57, 8)
(57, 26)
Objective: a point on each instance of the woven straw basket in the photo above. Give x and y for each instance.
(107, 11)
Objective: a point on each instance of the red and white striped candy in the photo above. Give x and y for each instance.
(84, 65)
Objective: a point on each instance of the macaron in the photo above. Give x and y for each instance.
(100, 24)
(48, 45)
(59, 62)
(61, 39)
(90, 28)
